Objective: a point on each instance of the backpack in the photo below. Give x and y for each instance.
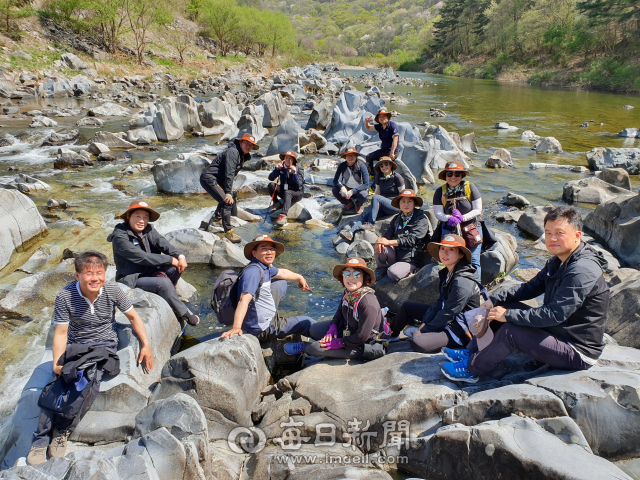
(224, 297)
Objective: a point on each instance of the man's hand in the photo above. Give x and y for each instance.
(343, 191)
(147, 357)
(303, 283)
(231, 333)
(497, 314)
(349, 194)
(57, 369)
(381, 242)
(293, 168)
(392, 156)
(368, 120)
(228, 198)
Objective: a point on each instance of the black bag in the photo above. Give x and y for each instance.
(224, 297)
(63, 398)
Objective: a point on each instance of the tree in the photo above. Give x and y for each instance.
(279, 31)
(180, 37)
(221, 19)
(10, 11)
(110, 19)
(142, 16)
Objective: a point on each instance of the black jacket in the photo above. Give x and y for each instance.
(295, 181)
(359, 172)
(576, 300)
(459, 293)
(411, 238)
(226, 166)
(363, 329)
(139, 255)
(79, 354)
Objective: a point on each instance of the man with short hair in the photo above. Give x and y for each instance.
(259, 295)
(567, 331)
(217, 180)
(85, 343)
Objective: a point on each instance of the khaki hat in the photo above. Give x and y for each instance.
(382, 111)
(378, 166)
(454, 166)
(153, 215)
(249, 138)
(349, 151)
(353, 262)
(449, 240)
(290, 153)
(248, 248)
(407, 193)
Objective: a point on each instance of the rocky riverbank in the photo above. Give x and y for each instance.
(219, 409)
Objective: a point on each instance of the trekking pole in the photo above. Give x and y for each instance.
(271, 202)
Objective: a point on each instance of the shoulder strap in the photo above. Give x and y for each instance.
(255, 299)
(467, 190)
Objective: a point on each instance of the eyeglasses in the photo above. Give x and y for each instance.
(354, 274)
(267, 249)
(454, 174)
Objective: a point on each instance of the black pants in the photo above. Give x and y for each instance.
(367, 351)
(224, 210)
(425, 342)
(533, 342)
(165, 288)
(289, 197)
(50, 421)
(358, 198)
(375, 156)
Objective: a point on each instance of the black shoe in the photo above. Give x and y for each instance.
(191, 319)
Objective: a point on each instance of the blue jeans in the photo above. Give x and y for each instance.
(475, 251)
(380, 203)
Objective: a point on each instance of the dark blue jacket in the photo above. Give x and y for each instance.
(295, 181)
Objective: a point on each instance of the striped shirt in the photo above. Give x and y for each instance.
(90, 322)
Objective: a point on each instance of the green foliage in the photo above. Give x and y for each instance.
(454, 69)
(612, 74)
(10, 11)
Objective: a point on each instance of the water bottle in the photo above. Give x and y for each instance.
(384, 311)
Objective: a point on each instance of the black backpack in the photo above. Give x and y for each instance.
(224, 298)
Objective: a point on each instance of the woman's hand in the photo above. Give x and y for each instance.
(57, 369)
(381, 242)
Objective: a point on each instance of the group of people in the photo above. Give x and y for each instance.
(473, 331)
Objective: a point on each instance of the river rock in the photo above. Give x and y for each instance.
(555, 166)
(42, 121)
(109, 109)
(112, 141)
(69, 159)
(502, 402)
(412, 160)
(624, 309)
(513, 199)
(620, 276)
(73, 62)
(468, 143)
(547, 145)
(166, 453)
(142, 136)
(500, 257)
(362, 249)
(25, 184)
(529, 136)
(90, 122)
(520, 446)
(591, 190)
(421, 287)
(501, 158)
(228, 255)
(617, 224)
(286, 138)
(180, 175)
(97, 148)
(196, 244)
(628, 132)
(20, 221)
(627, 158)
(615, 176)
(532, 220)
(275, 110)
(299, 213)
(502, 126)
(315, 223)
(225, 377)
(347, 121)
(187, 113)
(320, 117)
(217, 116)
(250, 122)
(165, 120)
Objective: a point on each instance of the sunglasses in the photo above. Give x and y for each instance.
(354, 274)
(454, 174)
(385, 164)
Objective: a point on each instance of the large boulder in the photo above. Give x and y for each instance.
(501, 158)
(112, 141)
(166, 120)
(196, 245)
(347, 122)
(25, 184)
(20, 222)
(421, 287)
(532, 220)
(42, 121)
(320, 117)
(413, 162)
(286, 138)
(275, 110)
(547, 145)
(624, 312)
(250, 122)
(501, 257)
(181, 175)
(591, 190)
(109, 109)
(187, 111)
(443, 149)
(615, 176)
(217, 116)
(225, 377)
(142, 136)
(73, 62)
(617, 224)
(627, 158)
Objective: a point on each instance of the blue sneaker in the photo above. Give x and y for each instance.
(458, 372)
(294, 348)
(455, 355)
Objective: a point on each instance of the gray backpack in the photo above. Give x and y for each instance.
(224, 298)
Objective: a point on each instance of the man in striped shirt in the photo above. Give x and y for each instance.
(84, 314)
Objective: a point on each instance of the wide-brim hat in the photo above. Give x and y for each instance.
(349, 151)
(454, 166)
(378, 167)
(479, 327)
(353, 262)
(290, 153)
(249, 138)
(248, 248)
(383, 111)
(407, 193)
(137, 205)
(449, 240)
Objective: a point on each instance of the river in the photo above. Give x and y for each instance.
(98, 194)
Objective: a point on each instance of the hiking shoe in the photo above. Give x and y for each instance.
(232, 237)
(455, 355)
(276, 206)
(359, 210)
(380, 273)
(346, 234)
(37, 456)
(294, 348)
(368, 226)
(410, 331)
(282, 220)
(348, 206)
(58, 445)
(458, 372)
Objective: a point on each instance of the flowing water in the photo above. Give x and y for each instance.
(98, 194)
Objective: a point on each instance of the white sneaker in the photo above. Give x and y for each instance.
(409, 331)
